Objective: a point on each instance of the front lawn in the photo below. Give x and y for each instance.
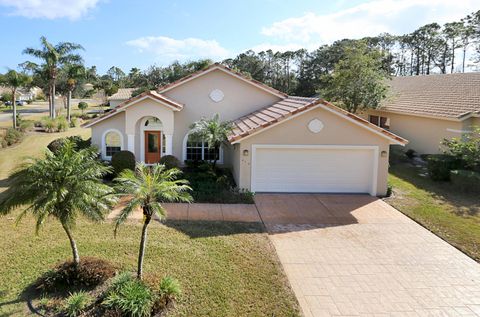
(225, 269)
(438, 206)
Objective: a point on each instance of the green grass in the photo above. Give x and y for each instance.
(224, 269)
(439, 206)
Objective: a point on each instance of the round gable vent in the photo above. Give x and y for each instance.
(216, 95)
(315, 125)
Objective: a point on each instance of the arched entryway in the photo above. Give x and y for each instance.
(152, 140)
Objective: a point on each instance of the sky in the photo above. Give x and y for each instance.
(139, 33)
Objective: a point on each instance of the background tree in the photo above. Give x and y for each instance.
(63, 185)
(358, 80)
(147, 188)
(15, 80)
(54, 57)
(70, 75)
(212, 131)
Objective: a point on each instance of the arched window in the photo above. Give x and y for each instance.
(195, 150)
(112, 143)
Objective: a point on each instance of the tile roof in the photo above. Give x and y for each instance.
(122, 94)
(153, 94)
(226, 69)
(282, 110)
(447, 95)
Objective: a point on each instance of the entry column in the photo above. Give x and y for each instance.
(168, 144)
(131, 142)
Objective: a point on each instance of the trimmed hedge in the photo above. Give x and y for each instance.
(123, 160)
(467, 181)
(170, 161)
(440, 165)
(76, 139)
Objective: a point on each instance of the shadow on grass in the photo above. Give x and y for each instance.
(465, 203)
(203, 229)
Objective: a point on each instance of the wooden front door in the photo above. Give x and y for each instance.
(153, 146)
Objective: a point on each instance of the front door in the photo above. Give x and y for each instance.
(153, 146)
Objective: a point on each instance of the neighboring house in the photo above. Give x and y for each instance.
(427, 109)
(120, 96)
(279, 143)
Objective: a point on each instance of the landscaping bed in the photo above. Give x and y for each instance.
(224, 269)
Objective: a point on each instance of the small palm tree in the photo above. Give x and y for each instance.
(74, 74)
(147, 187)
(54, 57)
(15, 80)
(63, 185)
(212, 131)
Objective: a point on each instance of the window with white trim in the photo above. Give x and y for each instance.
(198, 151)
(382, 122)
(113, 143)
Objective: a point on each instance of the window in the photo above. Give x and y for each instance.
(382, 122)
(199, 151)
(113, 143)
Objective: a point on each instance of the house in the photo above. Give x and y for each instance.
(427, 109)
(120, 96)
(279, 143)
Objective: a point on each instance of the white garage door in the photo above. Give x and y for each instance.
(317, 168)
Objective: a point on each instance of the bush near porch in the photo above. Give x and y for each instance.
(214, 185)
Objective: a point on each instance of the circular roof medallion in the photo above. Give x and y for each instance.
(315, 125)
(216, 95)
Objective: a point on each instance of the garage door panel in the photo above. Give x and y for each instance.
(328, 170)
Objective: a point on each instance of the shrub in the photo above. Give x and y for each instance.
(169, 289)
(76, 303)
(62, 124)
(410, 153)
(123, 160)
(76, 139)
(466, 181)
(389, 190)
(82, 105)
(73, 122)
(90, 273)
(49, 124)
(131, 296)
(26, 125)
(466, 148)
(170, 161)
(440, 165)
(3, 142)
(13, 136)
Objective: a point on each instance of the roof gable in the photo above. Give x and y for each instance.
(289, 108)
(226, 70)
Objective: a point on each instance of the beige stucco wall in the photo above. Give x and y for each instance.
(116, 122)
(241, 98)
(336, 131)
(423, 134)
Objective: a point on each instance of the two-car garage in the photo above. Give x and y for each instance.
(314, 168)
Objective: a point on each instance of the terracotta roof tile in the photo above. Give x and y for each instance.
(445, 95)
(122, 94)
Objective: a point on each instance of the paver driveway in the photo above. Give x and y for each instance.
(356, 255)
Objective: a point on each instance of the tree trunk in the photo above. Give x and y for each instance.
(73, 245)
(14, 108)
(453, 57)
(69, 99)
(53, 100)
(143, 243)
(463, 59)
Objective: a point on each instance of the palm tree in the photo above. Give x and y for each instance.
(212, 131)
(74, 74)
(147, 187)
(54, 57)
(63, 185)
(15, 80)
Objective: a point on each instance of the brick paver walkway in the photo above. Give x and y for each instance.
(350, 255)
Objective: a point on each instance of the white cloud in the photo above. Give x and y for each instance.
(367, 19)
(50, 9)
(167, 49)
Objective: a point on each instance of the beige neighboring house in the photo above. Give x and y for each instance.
(120, 96)
(426, 109)
(279, 143)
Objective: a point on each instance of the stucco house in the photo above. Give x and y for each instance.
(426, 109)
(279, 143)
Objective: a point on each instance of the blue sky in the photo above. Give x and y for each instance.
(129, 33)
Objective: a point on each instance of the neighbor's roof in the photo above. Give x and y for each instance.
(290, 106)
(176, 106)
(122, 94)
(451, 96)
(227, 70)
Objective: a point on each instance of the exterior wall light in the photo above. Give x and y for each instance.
(245, 152)
(383, 154)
